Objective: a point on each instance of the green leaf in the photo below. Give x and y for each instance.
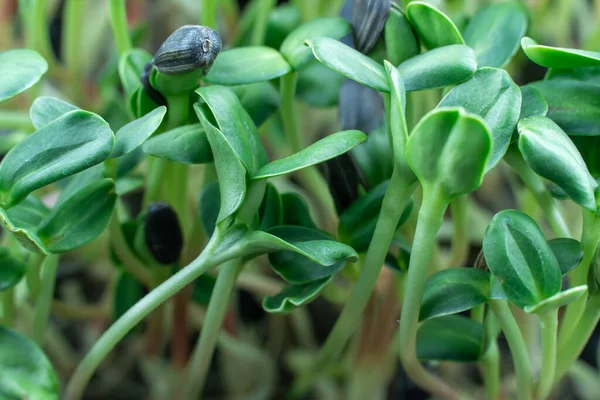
(495, 32)
(186, 144)
(140, 103)
(131, 68)
(589, 148)
(208, 206)
(128, 184)
(559, 57)
(128, 291)
(450, 338)
(587, 74)
(295, 211)
(230, 170)
(357, 222)
(11, 270)
(323, 150)
(552, 155)
(517, 253)
(400, 41)
(80, 219)
(533, 103)
(453, 291)
(492, 95)
(26, 236)
(70, 144)
(246, 65)
(294, 296)
(558, 300)
(449, 148)
(319, 86)
(270, 211)
(438, 68)
(29, 213)
(434, 27)
(26, 371)
(573, 104)
(375, 156)
(568, 253)
(20, 69)
(47, 109)
(349, 62)
(295, 51)
(132, 135)
(260, 100)
(282, 20)
(237, 126)
(593, 278)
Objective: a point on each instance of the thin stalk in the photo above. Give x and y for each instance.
(517, 346)
(310, 177)
(8, 307)
(535, 184)
(460, 239)
(260, 24)
(429, 222)
(72, 45)
(38, 31)
(130, 261)
(491, 371)
(572, 348)
(395, 200)
(15, 120)
(549, 327)
(197, 369)
(44, 301)
(205, 261)
(208, 13)
(79, 311)
(32, 277)
(590, 237)
(118, 20)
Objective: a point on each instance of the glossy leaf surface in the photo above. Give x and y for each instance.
(558, 57)
(187, 144)
(568, 253)
(552, 155)
(131, 68)
(26, 371)
(270, 211)
(435, 29)
(70, 144)
(135, 133)
(47, 109)
(349, 62)
(295, 211)
(294, 296)
(495, 33)
(323, 150)
(208, 206)
(20, 69)
(11, 270)
(517, 253)
(492, 95)
(450, 338)
(400, 40)
(245, 65)
(558, 300)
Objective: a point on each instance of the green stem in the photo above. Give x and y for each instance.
(38, 31)
(590, 237)
(260, 24)
(395, 200)
(130, 261)
(215, 314)
(205, 261)
(44, 301)
(517, 346)
(8, 307)
(15, 120)
(460, 239)
(310, 177)
(535, 184)
(33, 279)
(72, 45)
(120, 28)
(208, 13)
(491, 371)
(549, 327)
(572, 348)
(430, 219)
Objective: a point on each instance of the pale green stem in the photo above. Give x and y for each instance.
(491, 371)
(44, 301)
(207, 259)
(517, 346)
(549, 327)
(572, 348)
(72, 46)
(197, 369)
(460, 239)
(395, 200)
(260, 23)
(8, 307)
(120, 28)
(535, 184)
(15, 120)
(310, 177)
(130, 261)
(38, 31)
(590, 238)
(208, 13)
(430, 219)
(32, 276)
